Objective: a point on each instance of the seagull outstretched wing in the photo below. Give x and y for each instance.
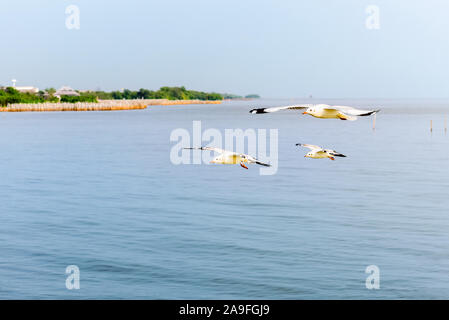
(251, 159)
(217, 150)
(275, 109)
(310, 146)
(353, 111)
(335, 153)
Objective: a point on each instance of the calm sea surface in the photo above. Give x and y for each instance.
(98, 190)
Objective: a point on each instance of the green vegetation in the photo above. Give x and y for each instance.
(231, 96)
(234, 96)
(83, 97)
(10, 95)
(252, 96)
(170, 93)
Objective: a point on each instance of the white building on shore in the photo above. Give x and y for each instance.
(27, 89)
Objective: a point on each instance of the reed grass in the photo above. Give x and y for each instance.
(103, 105)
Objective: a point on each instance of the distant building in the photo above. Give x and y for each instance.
(24, 89)
(27, 89)
(66, 91)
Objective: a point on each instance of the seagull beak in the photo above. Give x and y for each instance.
(305, 112)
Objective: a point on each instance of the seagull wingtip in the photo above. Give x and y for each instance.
(258, 110)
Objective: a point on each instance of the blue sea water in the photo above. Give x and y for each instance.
(98, 190)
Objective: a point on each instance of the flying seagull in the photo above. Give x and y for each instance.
(323, 111)
(229, 157)
(320, 153)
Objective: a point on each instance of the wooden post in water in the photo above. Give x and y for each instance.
(431, 126)
(445, 124)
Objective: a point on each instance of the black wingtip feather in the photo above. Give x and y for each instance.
(258, 110)
(370, 113)
(263, 164)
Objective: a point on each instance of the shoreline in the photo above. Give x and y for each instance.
(102, 105)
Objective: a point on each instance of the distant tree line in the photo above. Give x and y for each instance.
(252, 96)
(83, 97)
(170, 93)
(234, 96)
(10, 95)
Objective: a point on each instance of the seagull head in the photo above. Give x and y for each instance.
(308, 155)
(308, 111)
(215, 160)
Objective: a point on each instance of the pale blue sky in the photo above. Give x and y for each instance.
(282, 48)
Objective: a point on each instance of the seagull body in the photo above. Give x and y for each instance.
(229, 157)
(320, 153)
(323, 111)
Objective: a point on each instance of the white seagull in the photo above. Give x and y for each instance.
(229, 157)
(322, 111)
(320, 153)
